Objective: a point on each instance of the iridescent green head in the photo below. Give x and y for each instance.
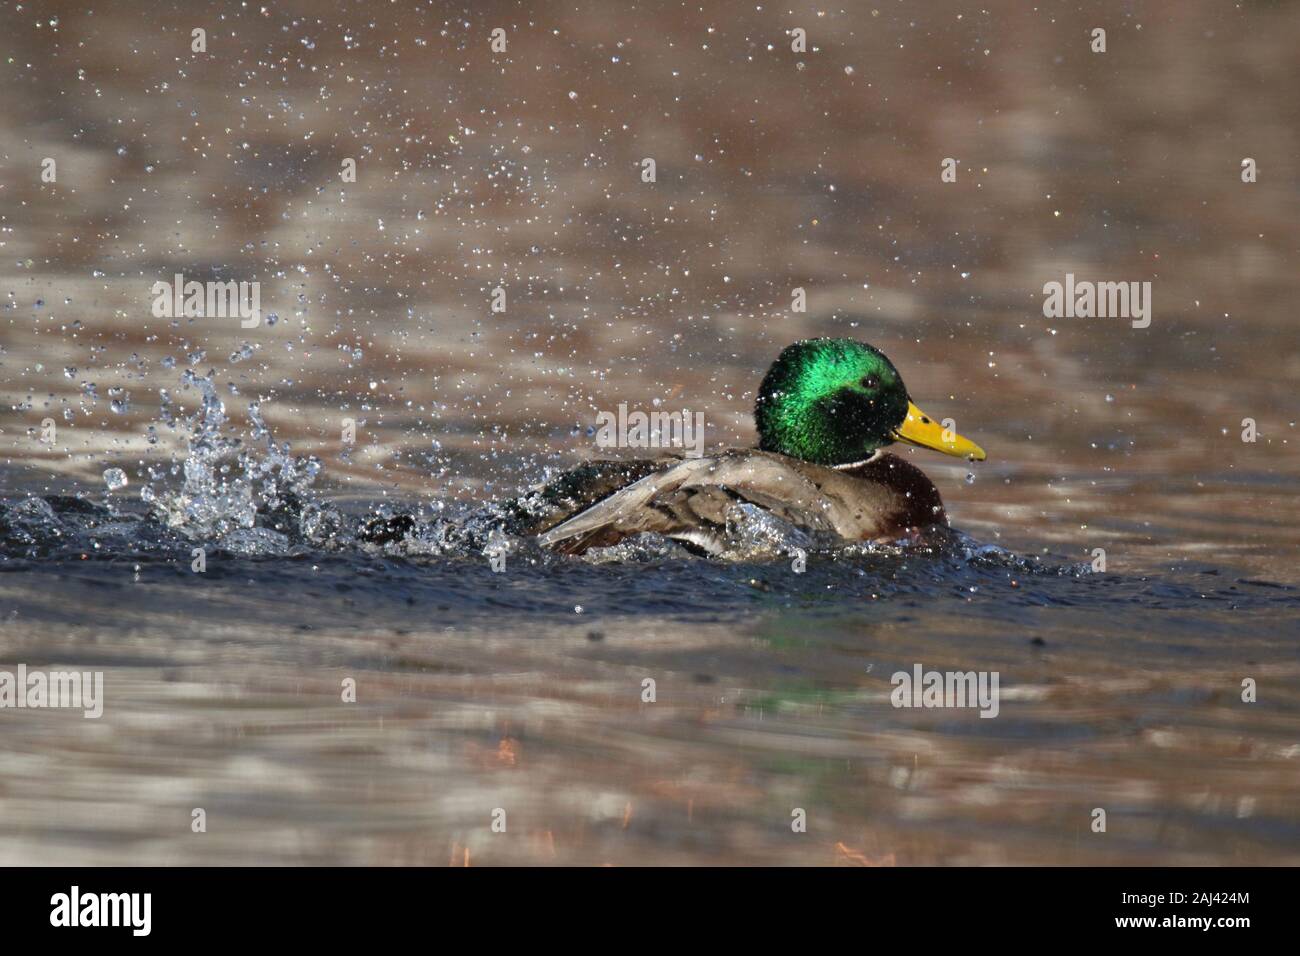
(836, 401)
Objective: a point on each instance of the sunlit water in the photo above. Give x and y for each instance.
(524, 689)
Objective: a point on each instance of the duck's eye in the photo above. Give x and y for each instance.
(870, 382)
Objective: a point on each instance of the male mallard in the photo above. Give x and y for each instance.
(824, 411)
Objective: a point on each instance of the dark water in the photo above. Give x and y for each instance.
(523, 690)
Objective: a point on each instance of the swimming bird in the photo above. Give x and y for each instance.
(825, 411)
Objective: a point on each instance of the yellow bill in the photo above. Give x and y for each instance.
(919, 428)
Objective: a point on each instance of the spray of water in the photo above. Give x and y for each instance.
(253, 495)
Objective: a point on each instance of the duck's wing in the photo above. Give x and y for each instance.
(574, 491)
(690, 502)
(658, 502)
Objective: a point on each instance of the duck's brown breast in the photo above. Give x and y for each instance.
(887, 497)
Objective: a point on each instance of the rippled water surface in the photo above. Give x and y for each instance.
(524, 690)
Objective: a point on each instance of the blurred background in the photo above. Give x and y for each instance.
(775, 170)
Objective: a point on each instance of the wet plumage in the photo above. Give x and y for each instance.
(825, 411)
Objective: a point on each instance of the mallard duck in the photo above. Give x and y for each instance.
(825, 410)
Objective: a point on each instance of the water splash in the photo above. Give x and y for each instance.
(115, 479)
(231, 489)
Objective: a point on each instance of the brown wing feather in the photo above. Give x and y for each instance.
(883, 498)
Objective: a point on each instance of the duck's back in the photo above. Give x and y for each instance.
(691, 499)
